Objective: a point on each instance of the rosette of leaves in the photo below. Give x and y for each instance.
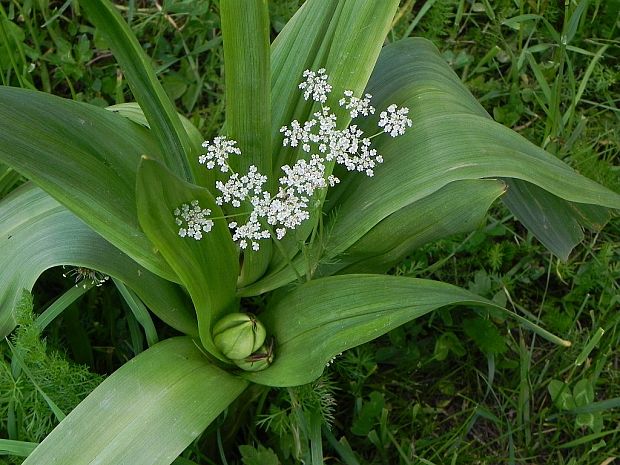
(104, 184)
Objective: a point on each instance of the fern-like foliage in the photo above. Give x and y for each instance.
(24, 413)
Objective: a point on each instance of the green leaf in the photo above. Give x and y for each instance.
(554, 220)
(369, 414)
(176, 147)
(37, 233)
(146, 413)
(209, 267)
(133, 112)
(86, 158)
(245, 30)
(16, 448)
(486, 335)
(139, 312)
(452, 139)
(561, 395)
(343, 36)
(259, 456)
(316, 321)
(458, 207)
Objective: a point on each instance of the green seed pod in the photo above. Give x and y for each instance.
(259, 360)
(238, 335)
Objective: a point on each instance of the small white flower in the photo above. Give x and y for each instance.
(315, 86)
(193, 220)
(357, 106)
(238, 189)
(304, 177)
(298, 133)
(394, 120)
(218, 152)
(289, 207)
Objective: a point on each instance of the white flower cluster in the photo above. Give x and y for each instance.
(218, 152)
(394, 121)
(193, 220)
(315, 86)
(320, 139)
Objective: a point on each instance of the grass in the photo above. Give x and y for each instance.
(457, 387)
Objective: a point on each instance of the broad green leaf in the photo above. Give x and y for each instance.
(37, 233)
(133, 112)
(176, 147)
(458, 207)
(86, 158)
(343, 36)
(533, 206)
(146, 413)
(245, 30)
(450, 140)
(208, 267)
(316, 321)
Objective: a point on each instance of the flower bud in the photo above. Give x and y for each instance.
(238, 335)
(259, 360)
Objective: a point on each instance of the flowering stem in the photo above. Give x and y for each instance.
(283, 252)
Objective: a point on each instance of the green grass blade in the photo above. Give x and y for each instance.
(209, 267)
(16, 448)
(60, 304)
(317, 320)
(86, 158)
(146, 413)
(37, 233)
(139, 312)
(245, 30)
(175, 145)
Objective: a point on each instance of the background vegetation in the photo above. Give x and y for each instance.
(451, 388)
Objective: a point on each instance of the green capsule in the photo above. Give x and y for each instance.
(238, 335)
(259, 360)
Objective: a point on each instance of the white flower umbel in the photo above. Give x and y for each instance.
(298, 133)
(394, 120)
(193, 220)
(218, 152)
(357, 106)
(315, 86)
(237, 189)
(275, 214)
